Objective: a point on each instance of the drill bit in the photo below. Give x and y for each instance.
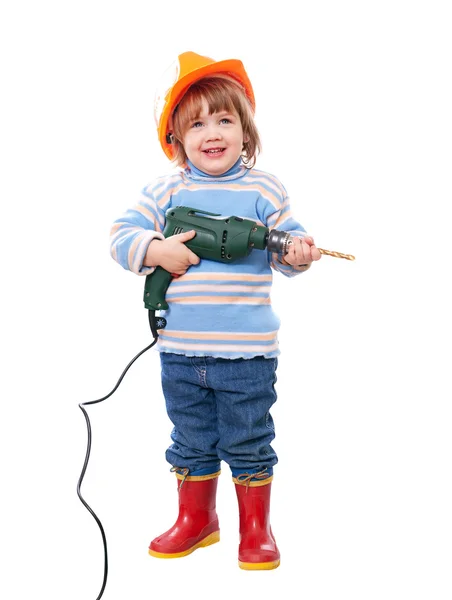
(336, 254)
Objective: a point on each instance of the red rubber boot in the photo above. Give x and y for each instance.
(197, 524)
(257, 549)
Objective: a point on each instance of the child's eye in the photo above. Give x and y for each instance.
(197, 124)
(225, 120)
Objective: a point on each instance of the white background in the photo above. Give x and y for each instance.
(354, 107)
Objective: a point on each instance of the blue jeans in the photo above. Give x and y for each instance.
(220, 411)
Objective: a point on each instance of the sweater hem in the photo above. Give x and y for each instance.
(224, 355)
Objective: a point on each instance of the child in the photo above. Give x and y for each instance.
(219, 351)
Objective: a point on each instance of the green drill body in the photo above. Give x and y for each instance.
(218, 238)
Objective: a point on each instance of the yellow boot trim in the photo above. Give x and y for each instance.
(247, 482)
(266, 566)
(213, 538)
(198, 477)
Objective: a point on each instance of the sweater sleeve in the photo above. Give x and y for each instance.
(277, 214)
(132, 233)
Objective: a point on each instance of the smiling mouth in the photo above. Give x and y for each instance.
(213, 151)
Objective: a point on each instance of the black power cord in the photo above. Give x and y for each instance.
(154, 324)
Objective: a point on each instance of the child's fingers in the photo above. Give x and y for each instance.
(310, 251)
(185, 236)
(300, 251)
(193, 258)
(315, 253)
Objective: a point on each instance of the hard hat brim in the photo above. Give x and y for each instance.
(232, 67)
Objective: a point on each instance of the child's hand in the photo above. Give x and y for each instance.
(303, 251)
(172, 254)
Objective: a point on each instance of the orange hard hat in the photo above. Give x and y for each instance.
(188, 68)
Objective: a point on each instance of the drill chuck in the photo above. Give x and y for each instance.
(279, 242)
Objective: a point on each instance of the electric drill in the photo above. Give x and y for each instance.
(219, 238)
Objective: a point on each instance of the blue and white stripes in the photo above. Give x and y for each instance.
(215, 309)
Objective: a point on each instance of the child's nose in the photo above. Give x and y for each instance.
(213, 133)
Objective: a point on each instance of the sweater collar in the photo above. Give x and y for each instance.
(236, 171)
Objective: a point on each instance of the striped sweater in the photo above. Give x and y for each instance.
(215, 309)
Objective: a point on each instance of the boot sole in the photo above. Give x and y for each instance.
(213, 538)
(266, 566)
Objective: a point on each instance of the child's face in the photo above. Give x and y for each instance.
(213, 143)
